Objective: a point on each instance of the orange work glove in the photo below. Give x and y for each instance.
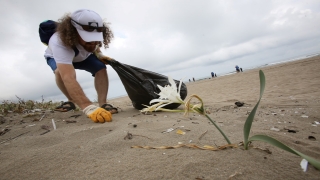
(97, 114)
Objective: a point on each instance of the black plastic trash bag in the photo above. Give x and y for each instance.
(141, 84)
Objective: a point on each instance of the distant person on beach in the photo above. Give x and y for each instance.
(212, 74)
(76, 45)
(241, 69)
(194, 79)
(237, 68)
(215, 75)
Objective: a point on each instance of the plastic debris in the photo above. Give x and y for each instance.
(304, 165)
(180, 132)
(274, 129)
(168, 130)
(304, 116)
(54, 125)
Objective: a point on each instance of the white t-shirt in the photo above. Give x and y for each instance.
(63, 54)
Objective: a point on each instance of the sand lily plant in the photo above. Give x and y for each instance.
(170, 94)
(267, 139)
(167, 95)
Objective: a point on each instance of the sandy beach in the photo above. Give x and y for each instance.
(81, 149)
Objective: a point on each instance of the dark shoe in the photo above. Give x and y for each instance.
(110, 108)
(66, 106)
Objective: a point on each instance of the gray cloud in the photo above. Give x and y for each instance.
(183, 39)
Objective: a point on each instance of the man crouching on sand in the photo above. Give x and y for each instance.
(75, 45)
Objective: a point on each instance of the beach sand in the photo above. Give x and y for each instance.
(87, 150)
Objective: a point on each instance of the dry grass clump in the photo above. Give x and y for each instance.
(22, 106)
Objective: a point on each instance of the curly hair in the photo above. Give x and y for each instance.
(69, 34)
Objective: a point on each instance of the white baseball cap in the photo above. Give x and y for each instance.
(84, 19)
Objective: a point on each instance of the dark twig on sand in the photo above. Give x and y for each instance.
(69, 121)
(5, 130)
(202, 135)
(13, 137)
(45, 132)
(130, 136)
(45, 128)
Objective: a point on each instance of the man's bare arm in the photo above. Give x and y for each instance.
(68, 76)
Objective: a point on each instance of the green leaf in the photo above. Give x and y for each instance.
(220, 130)
(248, 123)
(280, 145)
(267, 139)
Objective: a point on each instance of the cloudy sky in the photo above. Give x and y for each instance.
(180, 38)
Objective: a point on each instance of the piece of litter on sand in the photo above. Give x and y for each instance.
(316, 122)
(232, 175)
(274, 129)
(54, 124)
(180, 132)
(168, 130)
(42, 117)
(304, 116)
(304, 165)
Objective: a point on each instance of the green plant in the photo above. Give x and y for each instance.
(267, 139)
(170, 94)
